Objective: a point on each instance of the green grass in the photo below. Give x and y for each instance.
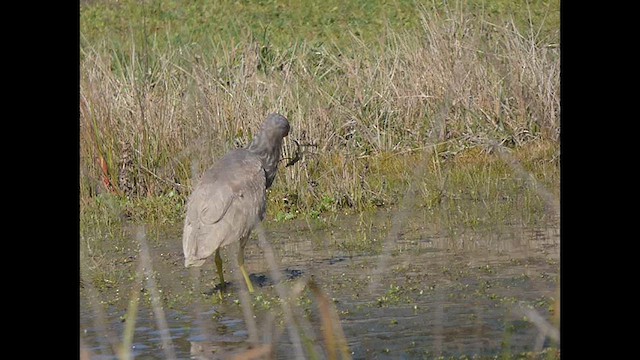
(179, 23)
(167, 87)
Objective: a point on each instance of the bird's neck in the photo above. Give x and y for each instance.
(269, 154)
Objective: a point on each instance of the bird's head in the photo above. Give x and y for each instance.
(276, 125)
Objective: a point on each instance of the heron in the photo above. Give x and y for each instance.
(230, 198)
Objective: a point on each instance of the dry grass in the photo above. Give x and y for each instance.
(157, 118)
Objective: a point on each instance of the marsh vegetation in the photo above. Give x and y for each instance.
(426, 144)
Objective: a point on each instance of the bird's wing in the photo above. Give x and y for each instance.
(200, 212)
(218, 198)
(234, 179)
(230, 184)
(226, 182)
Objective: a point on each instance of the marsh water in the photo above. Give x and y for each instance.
(423, 293)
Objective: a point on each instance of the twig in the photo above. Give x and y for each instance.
(275, 274)
(173, 183)
(100, 319)
(545, 328)
(132, 313)
(247, 311)
(298, 155)
(333, 333)
(158, 312)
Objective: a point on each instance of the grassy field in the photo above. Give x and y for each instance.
(371, 89)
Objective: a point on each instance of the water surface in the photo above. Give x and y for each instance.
(432, 292)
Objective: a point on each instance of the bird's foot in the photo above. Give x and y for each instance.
(218, 288)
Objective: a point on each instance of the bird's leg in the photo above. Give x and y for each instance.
(242, 269)
(218, 260)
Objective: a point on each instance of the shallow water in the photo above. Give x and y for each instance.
(439, 293)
